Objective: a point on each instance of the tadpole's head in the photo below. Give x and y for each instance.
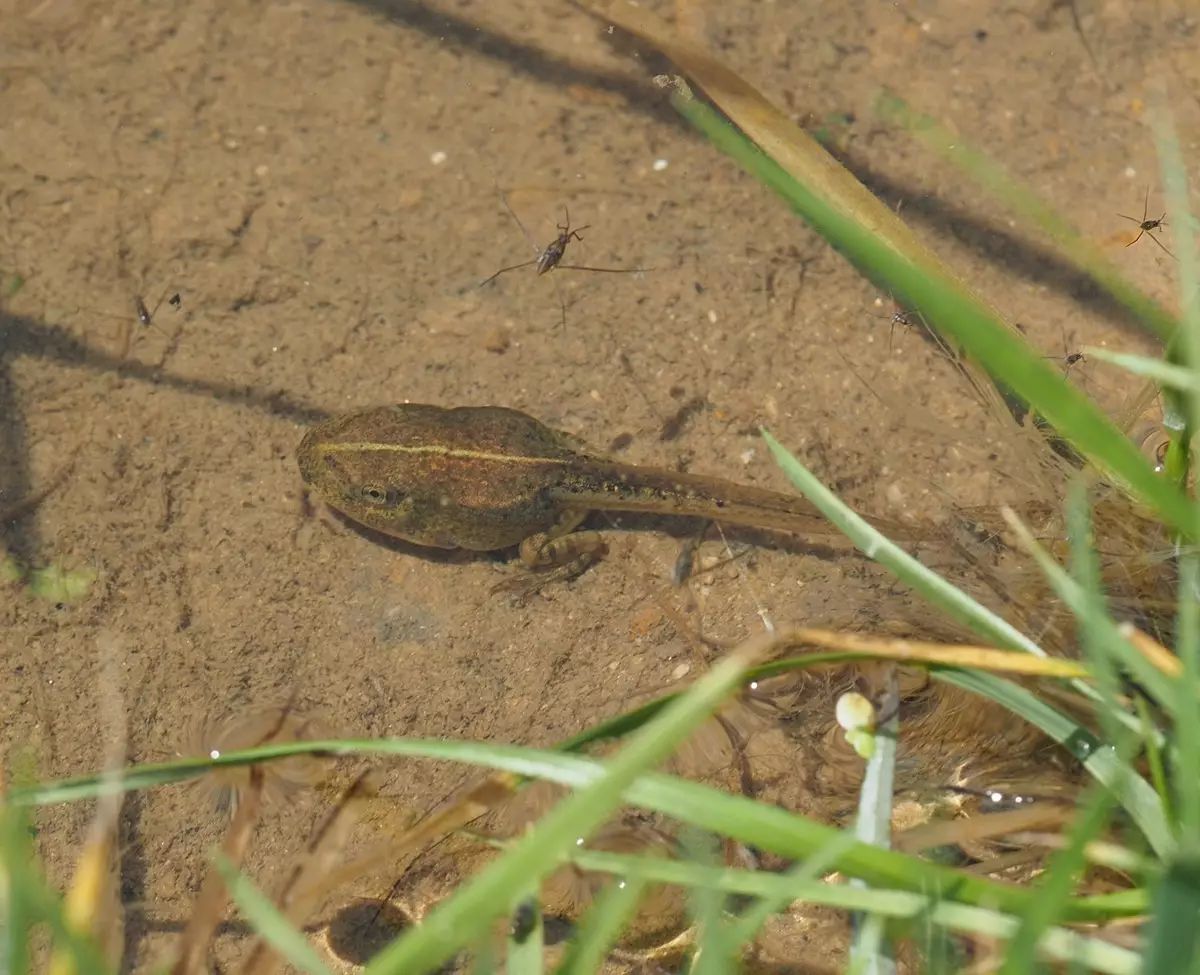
(351, 464)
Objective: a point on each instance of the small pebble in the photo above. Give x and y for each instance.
(497, 340)
(680, 671)
(410, 196)
(660, 165)
(438, 158)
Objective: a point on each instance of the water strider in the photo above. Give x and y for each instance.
(488, 477)
(550, 257)
(1147, 227)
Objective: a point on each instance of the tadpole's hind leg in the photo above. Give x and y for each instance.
(555, 555)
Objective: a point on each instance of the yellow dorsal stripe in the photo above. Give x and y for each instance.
(439, 450)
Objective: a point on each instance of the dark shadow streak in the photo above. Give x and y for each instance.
(528, 59)
(132, 866)
(27, 337)
(999, 246)
(18, 533)
(994, 244)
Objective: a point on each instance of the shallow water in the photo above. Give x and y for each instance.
(320, 182)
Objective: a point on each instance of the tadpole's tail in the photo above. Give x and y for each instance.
(625, 487)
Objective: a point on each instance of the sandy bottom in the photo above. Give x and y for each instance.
(320, 183)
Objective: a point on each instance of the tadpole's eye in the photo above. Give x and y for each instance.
(373, 494)
(1153, 439)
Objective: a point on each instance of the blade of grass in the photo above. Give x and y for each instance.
(525, 949)
(601, 926)
(1116, 645)
(267, 921)
(932, 587)
(1173, 941)
(1083, 253)
(935, 589)
(168, 773)
(957, 315)
(881, 247)
(1057, 943)
(1187, 711)
(766, 827)
(465, 915)
(716, 952)
(16, 856)
(29, 901)
(1153, 743)
(1101, 761)
(940, 299)
(1068, 864)
(992, 176)
(868, 953)
(1164, 373)
(800, 877)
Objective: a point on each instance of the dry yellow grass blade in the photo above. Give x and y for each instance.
(784, 141)
(308, 881)
(209, 906)
(1162, 658)
(936, 654)
(454, 814)
(976, 828)
(92, 905)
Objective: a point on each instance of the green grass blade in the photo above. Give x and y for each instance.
(16, 880)
(1173, 941)
(767, 827)
(1066, 866)
(1101, 761)
(932, 587)
(992, 176)
(966, 323)
(1184, 229)
(1164, 373)
(28, 901)
(1154, 742)
(868, 953)
(601, 926)
(525, 949)
(467, 913)
(1057, 944)
(800, 877)
(1115, 645)
(1187, 708)
(716, 951)
(272, 926)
